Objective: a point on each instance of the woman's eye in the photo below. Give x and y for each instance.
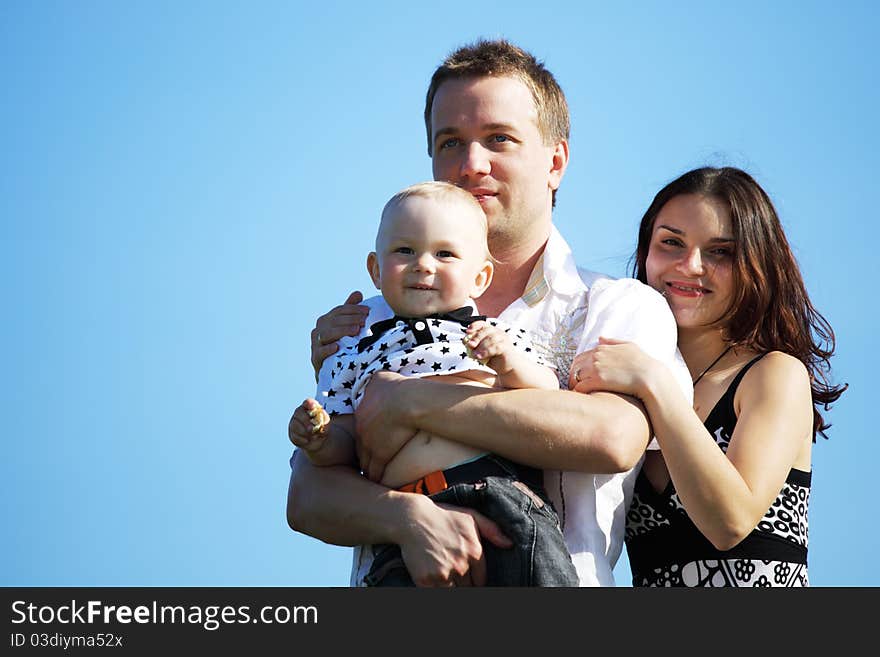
(671, 241)
(722, 252)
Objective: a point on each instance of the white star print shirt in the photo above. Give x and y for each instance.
(409, 346)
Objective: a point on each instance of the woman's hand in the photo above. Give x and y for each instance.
(612, 366)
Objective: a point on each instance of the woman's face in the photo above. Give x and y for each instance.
(690, 259)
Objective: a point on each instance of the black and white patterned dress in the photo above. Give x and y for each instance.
(410, 346)
(665, 548)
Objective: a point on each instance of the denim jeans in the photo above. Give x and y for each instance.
(538, 556)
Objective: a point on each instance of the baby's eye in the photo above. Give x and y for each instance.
(445, 254)
(405, 250)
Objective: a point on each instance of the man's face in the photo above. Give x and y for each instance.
(486, 140)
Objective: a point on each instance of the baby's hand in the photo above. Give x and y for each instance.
(488, 344)
(308, 425)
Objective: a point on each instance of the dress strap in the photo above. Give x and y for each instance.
(739, 375)
(722, 414)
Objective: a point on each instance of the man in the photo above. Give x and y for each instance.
(498, 126)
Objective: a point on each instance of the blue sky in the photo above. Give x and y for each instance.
(184, 187)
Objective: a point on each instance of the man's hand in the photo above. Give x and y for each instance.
(347, 319)
(445, 548)
(380, 426)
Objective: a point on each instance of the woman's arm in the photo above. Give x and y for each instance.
(725, 495)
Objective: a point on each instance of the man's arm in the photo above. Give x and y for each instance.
(440, 545)
(598, 432)
(336, 505)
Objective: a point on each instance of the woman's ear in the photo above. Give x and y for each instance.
(373, 269)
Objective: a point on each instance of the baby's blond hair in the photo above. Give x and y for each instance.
(435, 189)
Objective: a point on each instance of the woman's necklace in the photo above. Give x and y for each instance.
(712, 364)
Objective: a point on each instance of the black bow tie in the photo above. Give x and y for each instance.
(463, 316)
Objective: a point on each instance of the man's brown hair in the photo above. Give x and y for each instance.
(501, 58)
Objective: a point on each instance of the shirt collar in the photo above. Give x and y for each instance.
(555, 269)
(419, 325)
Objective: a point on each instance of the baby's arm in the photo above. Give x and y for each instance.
(325, 442)
(493, 346)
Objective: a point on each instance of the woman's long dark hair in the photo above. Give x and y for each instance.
(770, 309)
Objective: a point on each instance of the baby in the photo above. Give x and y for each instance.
(431, 262)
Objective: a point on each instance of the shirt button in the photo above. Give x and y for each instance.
(420, 326)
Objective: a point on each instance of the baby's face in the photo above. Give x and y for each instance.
(431, 256)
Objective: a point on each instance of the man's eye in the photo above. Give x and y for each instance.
(499, 139)
(449, 143)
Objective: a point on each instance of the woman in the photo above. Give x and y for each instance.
(724, 503)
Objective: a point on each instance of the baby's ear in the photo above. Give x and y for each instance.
(373, 269)
(483, 279)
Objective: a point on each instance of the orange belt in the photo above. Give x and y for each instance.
(431, 483)
(472, 471)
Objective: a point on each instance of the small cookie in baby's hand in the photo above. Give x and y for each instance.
(319, 418)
